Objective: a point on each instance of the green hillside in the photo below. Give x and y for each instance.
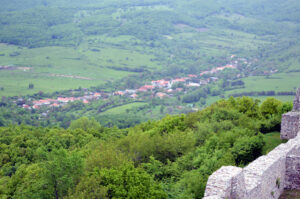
(141, 99)
(71, 44)
(168, 158)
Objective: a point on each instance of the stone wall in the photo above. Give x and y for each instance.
(290, 125)
(296, 106)
(264, 178)
(290, 122)
(267, 176)
(293, 170)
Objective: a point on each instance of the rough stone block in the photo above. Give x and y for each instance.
(292, 177)
(290, 125)
(220, 182)
(238, 187)
(261, 177)
(293, 172)
(296, 106)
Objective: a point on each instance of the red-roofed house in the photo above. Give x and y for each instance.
(142, 89)
(179, 89)
(66, 99)
(134, 96)
(55, 105)
(26, 106)
(149, 87)
(204, 73)
(203, 82)
(42, 102)
(179, 80)
(146, 88)
(191, 84)
(161, 95)
(97, 94)
(192, 76)
(161, 83)
(121, 93)
(63, 100)
(35, 107)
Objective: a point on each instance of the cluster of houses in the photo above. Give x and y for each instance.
(164, 88)
(61, 101)
(7, 68)
(217, 69)
(158, 88)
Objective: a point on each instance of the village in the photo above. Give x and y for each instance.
(157, 88)
(163, 88)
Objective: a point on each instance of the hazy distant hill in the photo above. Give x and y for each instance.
(107, 40)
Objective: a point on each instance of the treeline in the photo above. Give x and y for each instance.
(128, 69)
(263, 93)
(169, 158)
(150, 23)
(11, 113)
(45, 23)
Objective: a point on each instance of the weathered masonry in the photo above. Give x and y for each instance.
(267, 176)
(290, 123)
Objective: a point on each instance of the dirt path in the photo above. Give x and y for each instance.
(71, 76)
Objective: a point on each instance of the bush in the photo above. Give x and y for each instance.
(247, 149)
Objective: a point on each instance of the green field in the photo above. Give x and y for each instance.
(284, 98)
(122, 109)
(278, 82)
(61, 68)
(88, 44)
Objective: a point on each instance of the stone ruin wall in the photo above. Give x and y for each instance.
(264, 178)
(269, 175)
(290, 122)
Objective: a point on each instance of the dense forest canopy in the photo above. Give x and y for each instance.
(69, 21)
(168, 158)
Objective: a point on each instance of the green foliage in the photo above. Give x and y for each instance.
(50, 179)
(130, 182)
(168, 158)
(278, 182)
(89, 187)
(85, 124)
(102, 155)
(247, 149)
(194, 96)
(30, 182)
(31, 86)
(272, 140)
(82, 39)
(270, 107)
(62, 172)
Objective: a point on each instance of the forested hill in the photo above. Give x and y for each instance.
(169, 158)
(70, 21)
(57, 45)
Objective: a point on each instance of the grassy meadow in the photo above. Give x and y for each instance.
(278, 82)
(60, 68)
(122, 109)
(91, 43)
